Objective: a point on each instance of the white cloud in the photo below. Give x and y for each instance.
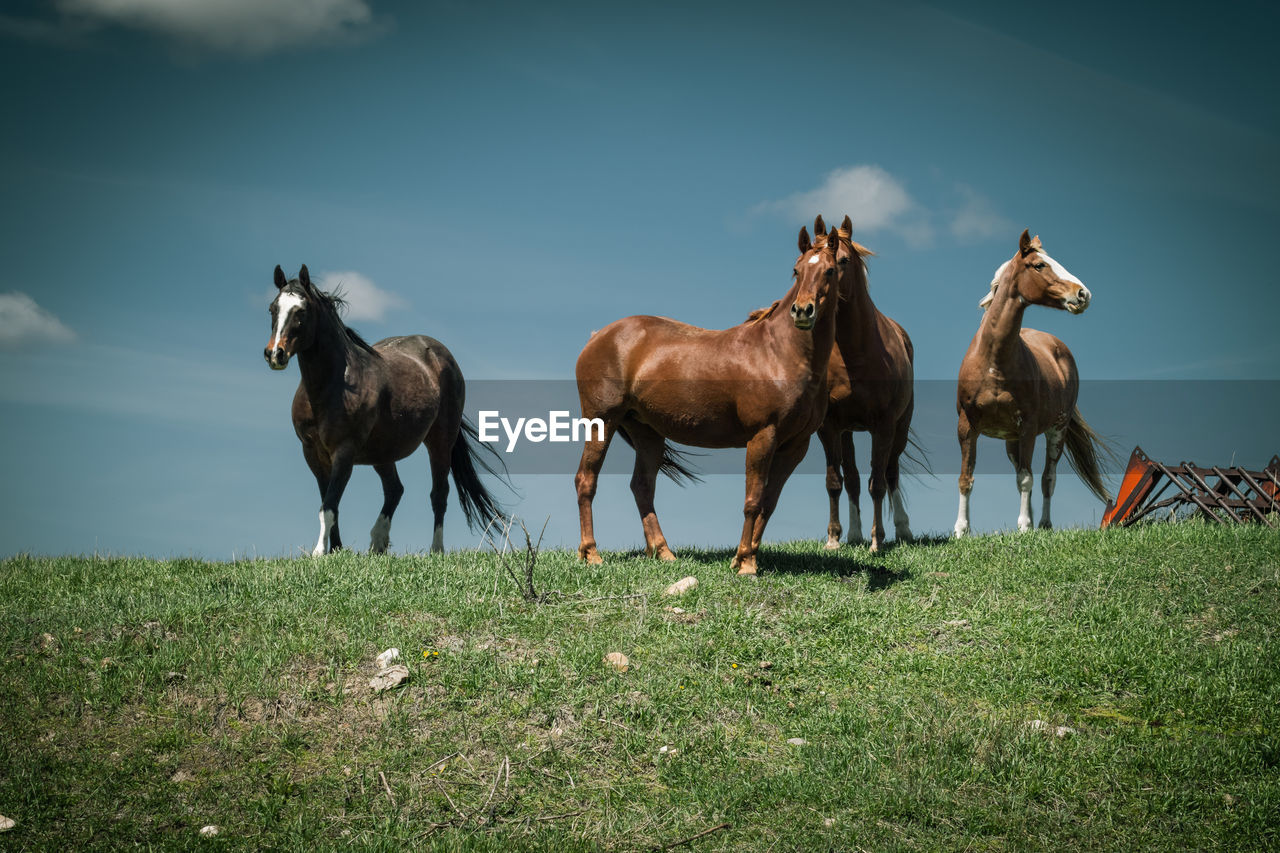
(24, 323)
(873, 199)
(976, 218)
(365, 300)
(241, 26)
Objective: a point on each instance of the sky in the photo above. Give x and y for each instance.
(509, 178)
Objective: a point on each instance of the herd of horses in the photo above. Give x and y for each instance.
(822, 359)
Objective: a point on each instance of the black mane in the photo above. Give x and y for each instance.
(331, 306)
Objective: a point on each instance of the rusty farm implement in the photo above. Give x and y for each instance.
(1220, 495)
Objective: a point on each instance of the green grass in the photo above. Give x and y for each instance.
(143, 699)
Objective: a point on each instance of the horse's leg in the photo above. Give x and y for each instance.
(759, 459)
(392, 491)
(439, 444)
(649, 445)
(785, 460)
(321, 465)
(967, 434)
(877, 486)
(593, 451)
(893, 478)
(830, 439)
(1052, 453)
(852, 486)
(339, 474)
(1019, 451)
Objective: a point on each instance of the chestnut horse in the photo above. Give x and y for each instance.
(760, 385)
(373, 405)
(870, 381)
(1017, 383)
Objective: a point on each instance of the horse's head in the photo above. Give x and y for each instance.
(816, 272)
(293, 316)
(849, 255)
(1038, 279)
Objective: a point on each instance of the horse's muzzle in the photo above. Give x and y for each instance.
(1077, 305)
(802, 315)
(277, 358)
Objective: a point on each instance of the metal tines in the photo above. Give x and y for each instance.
(1221, 495)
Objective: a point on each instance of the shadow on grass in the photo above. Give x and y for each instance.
(846, 563)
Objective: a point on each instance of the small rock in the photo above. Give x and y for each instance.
(388, 678)
(618, 661)
(1057, 731)
(828, 822)
(764, 664)
(385, 659)
(7, 823)
(797, 741)
(209, 831)
(180, 777)
(676, 610)
(682, 586)
(668, 750)
(48, 642)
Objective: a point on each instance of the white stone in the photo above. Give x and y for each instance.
(682, 586)
(385, 659)
(209, 831)
(388, 678)
(618, 661)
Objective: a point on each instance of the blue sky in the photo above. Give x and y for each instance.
(508, 178)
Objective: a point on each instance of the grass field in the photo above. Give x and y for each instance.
(143, 700)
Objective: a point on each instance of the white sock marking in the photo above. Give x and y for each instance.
(437, 540)
(380, 536)
(962, 518)
(327, 519)
(1024, 499)
(901, 522)
(855, 523)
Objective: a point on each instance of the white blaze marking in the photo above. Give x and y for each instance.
(815, 259)
(286, 304)
(1059, 270)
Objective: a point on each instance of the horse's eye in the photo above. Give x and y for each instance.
(1040, 266)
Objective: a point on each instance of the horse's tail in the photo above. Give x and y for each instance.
(675, 463)
(478, 506)
(915, 453)
(1087, 451)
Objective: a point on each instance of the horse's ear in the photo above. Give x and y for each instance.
(1024, 243)
(281, 281)
(304, 277)
(847, 225)
(803, 242)
(819, 227)
(1035, 243)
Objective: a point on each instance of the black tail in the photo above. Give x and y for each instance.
(1087, 452)
(478, 505)
(675, 463)
(916, 455)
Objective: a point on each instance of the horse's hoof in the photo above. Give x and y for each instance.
(664, 554)
(832, 545)
(591, 558)
(747, 572)
(1045, 525)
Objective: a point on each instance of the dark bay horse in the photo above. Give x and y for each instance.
(373, 405)
(871, 389)
(760, 385)
(1017, 383)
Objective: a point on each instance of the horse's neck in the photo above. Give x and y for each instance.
(1000, 335)
(325, 364)
(812, 348)
(857, 324)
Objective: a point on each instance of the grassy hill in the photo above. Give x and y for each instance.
(1072, 689)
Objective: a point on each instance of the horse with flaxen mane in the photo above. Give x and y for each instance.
(373, 405)
(760, 385)
(1017, 383)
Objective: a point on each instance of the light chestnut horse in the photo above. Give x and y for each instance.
(871, 389)
(760, 385)
(374, 405)
(1017, 383)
